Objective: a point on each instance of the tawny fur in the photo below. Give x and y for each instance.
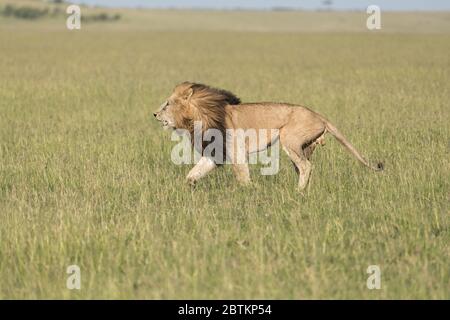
(300, 129)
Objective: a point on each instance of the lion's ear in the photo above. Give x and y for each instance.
(188, 94)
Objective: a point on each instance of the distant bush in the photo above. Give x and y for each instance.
(57, 12)
(100, 17)
(30, 13)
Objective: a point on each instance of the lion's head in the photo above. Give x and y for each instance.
(191, 102)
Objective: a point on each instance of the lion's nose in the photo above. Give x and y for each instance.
(154, 114)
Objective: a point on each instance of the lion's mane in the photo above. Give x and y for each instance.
(206, 104)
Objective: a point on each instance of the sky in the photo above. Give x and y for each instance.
(268, 4)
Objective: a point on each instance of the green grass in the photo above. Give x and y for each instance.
(86, 176)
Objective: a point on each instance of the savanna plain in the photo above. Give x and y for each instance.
(86, 176)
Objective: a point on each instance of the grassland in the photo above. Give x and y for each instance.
(86, 176)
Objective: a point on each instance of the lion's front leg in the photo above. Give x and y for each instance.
(242, 173)
(237, 154)
(201, 169)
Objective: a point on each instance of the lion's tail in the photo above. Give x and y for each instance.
(339, 137)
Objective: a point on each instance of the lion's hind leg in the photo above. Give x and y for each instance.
(308, 151)
(293, 148)
(242, 173)
(302, 164)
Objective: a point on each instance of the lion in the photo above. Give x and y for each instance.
(298, 129)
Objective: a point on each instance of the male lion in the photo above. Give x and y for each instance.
(299, 129)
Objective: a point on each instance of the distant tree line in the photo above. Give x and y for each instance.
(32, 13)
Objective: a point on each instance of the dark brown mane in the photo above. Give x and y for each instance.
(206, 104)
(218, 96)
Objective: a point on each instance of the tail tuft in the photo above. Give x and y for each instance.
(380, 166)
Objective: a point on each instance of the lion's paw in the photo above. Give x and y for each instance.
(191, 181)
